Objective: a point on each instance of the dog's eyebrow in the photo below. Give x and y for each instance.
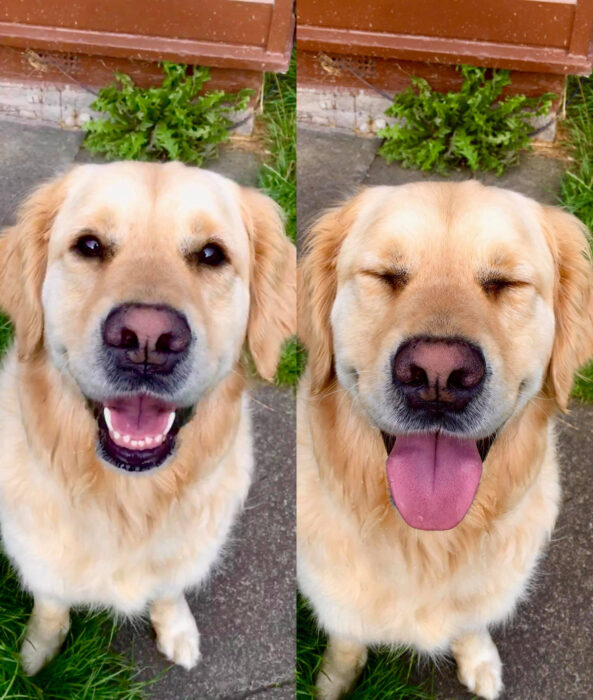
(381, 270)
(390, 260)
(102, 221)
(501, 259)
(204, 226)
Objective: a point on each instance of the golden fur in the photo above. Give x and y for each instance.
(369, 576)
(77, 530)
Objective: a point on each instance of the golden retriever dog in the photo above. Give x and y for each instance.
(443, 323)
(124, 424)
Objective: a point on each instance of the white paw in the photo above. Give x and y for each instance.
(480, 669)
(484, 680)
(343, 662)
(180, 643)
(38, 650)
(330, 688)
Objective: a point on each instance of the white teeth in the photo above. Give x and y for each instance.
(170, 422)
(147, 441)
(107, 415)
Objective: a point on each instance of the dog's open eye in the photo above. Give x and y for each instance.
(89, 246)
(211, 254)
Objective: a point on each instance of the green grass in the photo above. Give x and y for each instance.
(576, 193)
(583, 384)
(277, 179)
(292, 364)
(387, 674)
(86, 667)
(5, 337)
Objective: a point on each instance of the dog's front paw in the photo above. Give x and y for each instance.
(177, 635)
(46, 631)
(181, 646)
(342, 663)
(478, 664)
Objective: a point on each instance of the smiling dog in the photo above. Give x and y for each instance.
(125, 432)
(443, 323)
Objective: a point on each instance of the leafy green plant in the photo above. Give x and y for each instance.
(174, 120)
(472, 127)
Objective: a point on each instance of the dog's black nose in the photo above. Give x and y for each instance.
(438, 374)
(146, 337)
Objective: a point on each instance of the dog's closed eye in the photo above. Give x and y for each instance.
(395, 279)
(495, 285)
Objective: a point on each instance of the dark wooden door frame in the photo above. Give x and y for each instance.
(274, 55)
(577, 58)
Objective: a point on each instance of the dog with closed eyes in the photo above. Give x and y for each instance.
(443, 324)
(124, 423)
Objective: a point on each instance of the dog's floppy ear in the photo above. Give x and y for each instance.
(272, 312)
(573, 300)
(23, 257)
(317, 286)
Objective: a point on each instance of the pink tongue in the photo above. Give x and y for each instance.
(433, 479)
(139, 416)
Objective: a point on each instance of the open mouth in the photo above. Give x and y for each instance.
(433, 477)
(138, 433)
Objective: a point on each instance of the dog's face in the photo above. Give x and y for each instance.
(446, 308)
(152, 277)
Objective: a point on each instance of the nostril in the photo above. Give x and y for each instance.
(128, 340)
(456, 380)
(417, 377)
(468, 376)
(172, 342)
(164, 343)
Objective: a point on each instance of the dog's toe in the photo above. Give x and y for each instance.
(46, 631)
(177, 634)
(182, 648)
(478, 665)
(488, 680)
(33, 658)
(36, 652)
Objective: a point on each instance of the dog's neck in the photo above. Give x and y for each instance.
(62, 433)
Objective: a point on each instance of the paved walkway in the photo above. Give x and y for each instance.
(546, 648)
(246, 615)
